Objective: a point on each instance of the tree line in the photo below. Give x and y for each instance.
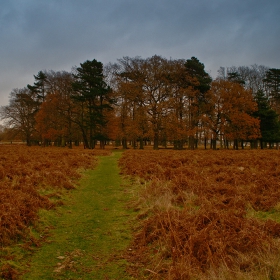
(155, 100)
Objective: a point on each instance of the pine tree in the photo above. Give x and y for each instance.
(39, 87)
(91, 91)
(200, 81)
(269, 123)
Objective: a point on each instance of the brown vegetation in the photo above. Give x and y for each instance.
(193, 209)
(29, 177)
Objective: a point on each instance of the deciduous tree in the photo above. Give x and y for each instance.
(20, 114)
(229, 113)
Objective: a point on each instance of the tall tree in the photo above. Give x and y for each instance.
(229, 113)
(272, 80)
(145, 91)
(269, 122)
(129, 95)
(156, 89)
(40, 86)
(93, 94)
(20, 114)
(200, 82)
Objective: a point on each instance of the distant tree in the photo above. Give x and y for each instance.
(20, 114)
(272, 81)
(160, 99)
(93, 95)
(130, 101)
(156, 88)
(200, 80)
(2, 132)
(269, 122)
(39, 89)
(229, 110)
(181, 89)
(196, 69)
(251, 77)
(235, 77)
(144, 91)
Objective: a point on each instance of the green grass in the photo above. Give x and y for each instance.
(90, 233)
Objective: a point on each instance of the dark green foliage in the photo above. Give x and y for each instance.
(272, 80)
(200, 80)
(196, 70)
(92, 93)
(269, 125)
(39, 87)
(235, 77)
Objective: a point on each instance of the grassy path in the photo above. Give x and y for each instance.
(90, 231)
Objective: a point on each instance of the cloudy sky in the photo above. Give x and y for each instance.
(59, 34)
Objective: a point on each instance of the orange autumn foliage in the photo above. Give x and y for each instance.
(195, 222)
(27, 171)
(229, 111)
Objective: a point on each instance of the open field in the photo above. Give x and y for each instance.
(200, 214)
(206, 214)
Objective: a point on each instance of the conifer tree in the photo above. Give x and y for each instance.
(269, 123)
(91, 91)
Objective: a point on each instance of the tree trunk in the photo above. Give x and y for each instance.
(141, 144)
(156, 141)
(214, 144)
(85, 140)
(124, 143)
(235, 144)
(261, 143)
(191, 142)
(102, 144)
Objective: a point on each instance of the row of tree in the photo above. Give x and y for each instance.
(138, 101)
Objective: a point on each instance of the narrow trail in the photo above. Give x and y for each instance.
(90, 232)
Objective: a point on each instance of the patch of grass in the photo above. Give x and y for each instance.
(273, 214)
(89, 234)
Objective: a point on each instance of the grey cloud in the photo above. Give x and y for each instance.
(58, 34)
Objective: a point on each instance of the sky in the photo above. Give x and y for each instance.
(37, 35)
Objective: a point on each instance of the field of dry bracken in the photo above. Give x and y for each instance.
(199, 213)
(29, 178)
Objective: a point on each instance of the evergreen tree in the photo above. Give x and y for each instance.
(200, 80)
(269, 123)
(235, 77)
(39, 87)
(91, 91)
(272, 80)
(196, 70)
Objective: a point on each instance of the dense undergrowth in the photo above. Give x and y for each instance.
(32, 178)
(194, 214)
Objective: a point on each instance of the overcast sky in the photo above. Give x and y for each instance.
(56, 35)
